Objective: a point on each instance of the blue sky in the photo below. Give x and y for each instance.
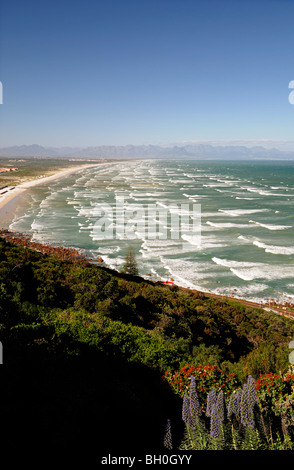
(117, 72)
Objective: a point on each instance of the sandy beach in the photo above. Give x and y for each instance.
(8, 200)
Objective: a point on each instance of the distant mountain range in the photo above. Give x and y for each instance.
(187, 151)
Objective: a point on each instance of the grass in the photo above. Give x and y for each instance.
(33, 168)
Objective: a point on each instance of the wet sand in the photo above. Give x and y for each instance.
(9, 201)
(9, 209)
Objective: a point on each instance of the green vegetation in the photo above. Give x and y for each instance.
(234, 424)
(220, 414)
(84, 343)
(32, 168)
(159, 326)
(130, 265)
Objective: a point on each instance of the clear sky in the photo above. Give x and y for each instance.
(117, 72)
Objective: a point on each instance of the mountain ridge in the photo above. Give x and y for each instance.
(187, 151)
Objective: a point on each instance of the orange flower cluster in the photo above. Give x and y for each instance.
(206, 377)
(273, 381)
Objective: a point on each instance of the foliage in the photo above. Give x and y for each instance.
(266, 358)
(33, 168)
(145, 322)
(206, 377)
(130, 264)
(220, 428)
(235, 422)
(271, 388)
(53, 308)
(179, 326)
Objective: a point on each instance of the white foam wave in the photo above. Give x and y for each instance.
(233, 264)
(249, 271)
(276, 250)
(193, 195)
(271, 227)
(227, 225)
(113, 263)
(247, 290)
(248, 275)
(108, 250)
(209, 242)
(192, 239)
(214, 185)
(238, 212)
(211, 214)
(241, 237)
(162, 204)
(90, 227)
(263, 192)
(180, 280)
(280, 187)
(246, 198)
(36, 226)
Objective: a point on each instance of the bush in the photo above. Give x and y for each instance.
(223, 424)
(206, 377)
(258, 415)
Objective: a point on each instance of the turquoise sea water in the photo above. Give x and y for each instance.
(247, 221)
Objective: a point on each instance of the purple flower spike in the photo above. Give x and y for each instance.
(246, 406)
(211, 400)
(167, 441)
(186, 409)
(221, 407)
(195, 408)
(251, 391)
(214, 422)
(234, 404)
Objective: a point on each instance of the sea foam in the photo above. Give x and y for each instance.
(276, 250)
(238, 212)
(271, 226)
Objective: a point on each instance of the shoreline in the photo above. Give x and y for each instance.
(8, 201)
(76, 255)
(12, 201)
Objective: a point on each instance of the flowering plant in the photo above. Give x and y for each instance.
(285, 408)
(271, 388)
(248, 417)
(206, 377)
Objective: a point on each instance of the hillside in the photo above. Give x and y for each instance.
(85, 348)
(180, 151)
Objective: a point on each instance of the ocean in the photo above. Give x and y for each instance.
(243, 211)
